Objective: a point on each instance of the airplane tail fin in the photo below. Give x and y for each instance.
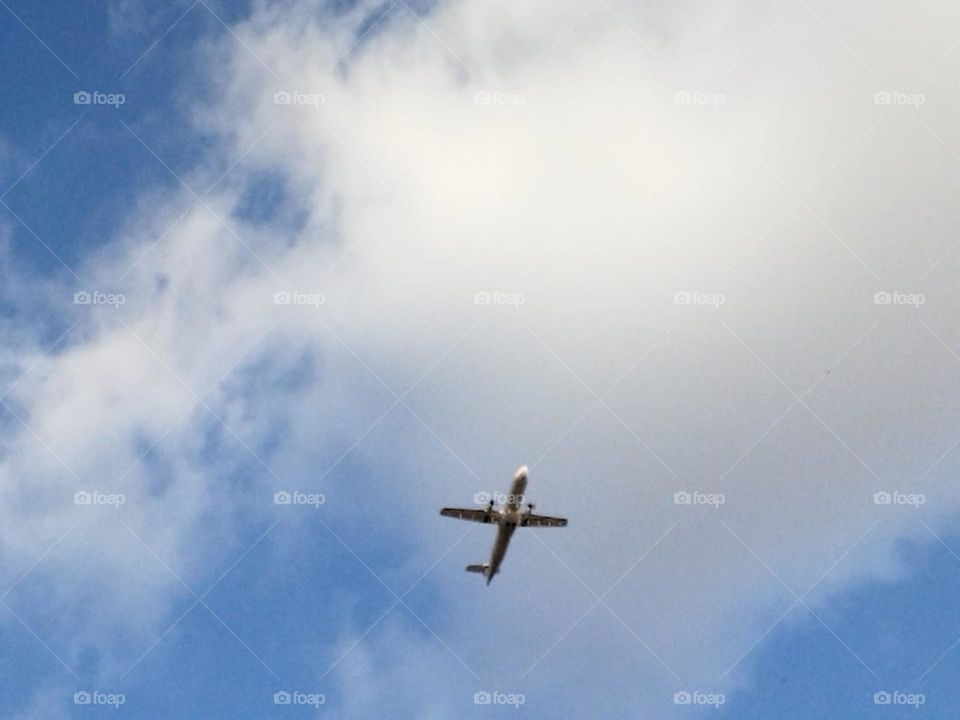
(483, 569)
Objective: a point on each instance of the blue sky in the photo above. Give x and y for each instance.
(686, 231)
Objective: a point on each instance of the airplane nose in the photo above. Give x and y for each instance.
(521, 472)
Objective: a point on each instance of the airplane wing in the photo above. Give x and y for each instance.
(529, 520)
(474, 514)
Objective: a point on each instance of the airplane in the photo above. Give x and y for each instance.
(507, 518)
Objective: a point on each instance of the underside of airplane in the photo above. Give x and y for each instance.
(507, 518)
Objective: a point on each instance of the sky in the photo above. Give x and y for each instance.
(694, 265)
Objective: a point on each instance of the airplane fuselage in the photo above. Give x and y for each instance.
(507, 521)
(514, 512)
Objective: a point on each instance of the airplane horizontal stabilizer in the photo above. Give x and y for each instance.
(478, 568)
